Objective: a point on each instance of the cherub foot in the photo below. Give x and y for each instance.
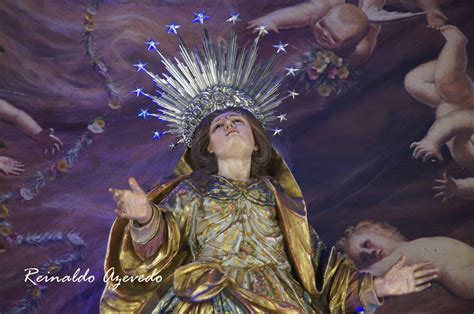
(453, 34)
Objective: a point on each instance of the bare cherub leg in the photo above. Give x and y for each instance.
(450, 72)
(420, 84)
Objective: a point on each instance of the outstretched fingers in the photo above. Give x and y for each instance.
(419, 266)
(422, 287)
(134, 185)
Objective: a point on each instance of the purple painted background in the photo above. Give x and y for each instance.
(350, 154)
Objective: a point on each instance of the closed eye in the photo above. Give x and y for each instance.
(217, 126)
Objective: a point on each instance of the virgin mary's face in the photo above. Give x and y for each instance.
(231, 136)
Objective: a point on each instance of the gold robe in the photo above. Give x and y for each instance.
(262, 258)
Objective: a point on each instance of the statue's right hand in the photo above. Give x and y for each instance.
(132, 204)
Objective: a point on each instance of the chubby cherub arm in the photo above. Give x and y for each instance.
(365, 47)
(20, 119)
(300, 15)
(381, 267)
(457, 123)
(26, 124)
(465, 188)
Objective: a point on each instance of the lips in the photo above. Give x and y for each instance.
(231, 132)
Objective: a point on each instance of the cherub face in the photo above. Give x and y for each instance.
(370, 246)
(333, 33)
(231, 136)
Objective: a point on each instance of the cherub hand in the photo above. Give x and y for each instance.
(9, 166)
(48, 141)
(132, 204)
(265, 21)
(446, 188)
(400, 279)
(426, 149)
(436, 19)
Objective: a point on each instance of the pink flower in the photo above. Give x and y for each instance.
(331, 72)
(312, 73)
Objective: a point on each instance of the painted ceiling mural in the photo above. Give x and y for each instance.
(379, 137)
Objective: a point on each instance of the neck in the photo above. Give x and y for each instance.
(235, 169)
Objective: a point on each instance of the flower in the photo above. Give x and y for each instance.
(95, 128)
(89, 27)
(323, 56)
(3, 211)
(331, 72)
(36, 293)
(100, 122)
(312, 74)
(319, 65)
(336, 60)
(89, 17)
(343, 73)
(5, 231)
(26, 194)
(115, 103)
(324, 90)
(62, 165)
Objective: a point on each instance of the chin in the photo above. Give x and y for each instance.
(237, 148)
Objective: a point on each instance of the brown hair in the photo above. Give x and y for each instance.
(351, 231)
(202, 161)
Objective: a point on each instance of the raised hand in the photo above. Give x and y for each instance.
(132, 204)
(9, 166)
(401, 279)
(426, 149)
(48, 141)
(446, 188)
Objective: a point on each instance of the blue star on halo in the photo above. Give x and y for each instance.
(152, 44)
(292, 94)
(280, 47)
(291, 71)
(157, 135)
(143, 113)
(282, 117)
(276, 131)
(140, 66)
(200, 17)
(173, 27)
(262, 30)
(234, 18)
(138, 91)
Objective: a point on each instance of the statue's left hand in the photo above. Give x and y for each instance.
(401, 279)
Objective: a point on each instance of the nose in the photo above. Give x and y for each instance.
(229, 125)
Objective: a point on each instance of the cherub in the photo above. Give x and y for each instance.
(376, 246)
(45, 138)
(349, 30)
(444, 85)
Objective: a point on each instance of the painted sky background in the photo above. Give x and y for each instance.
(350, 154)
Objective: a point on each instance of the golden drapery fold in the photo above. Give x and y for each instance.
(196, 284)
